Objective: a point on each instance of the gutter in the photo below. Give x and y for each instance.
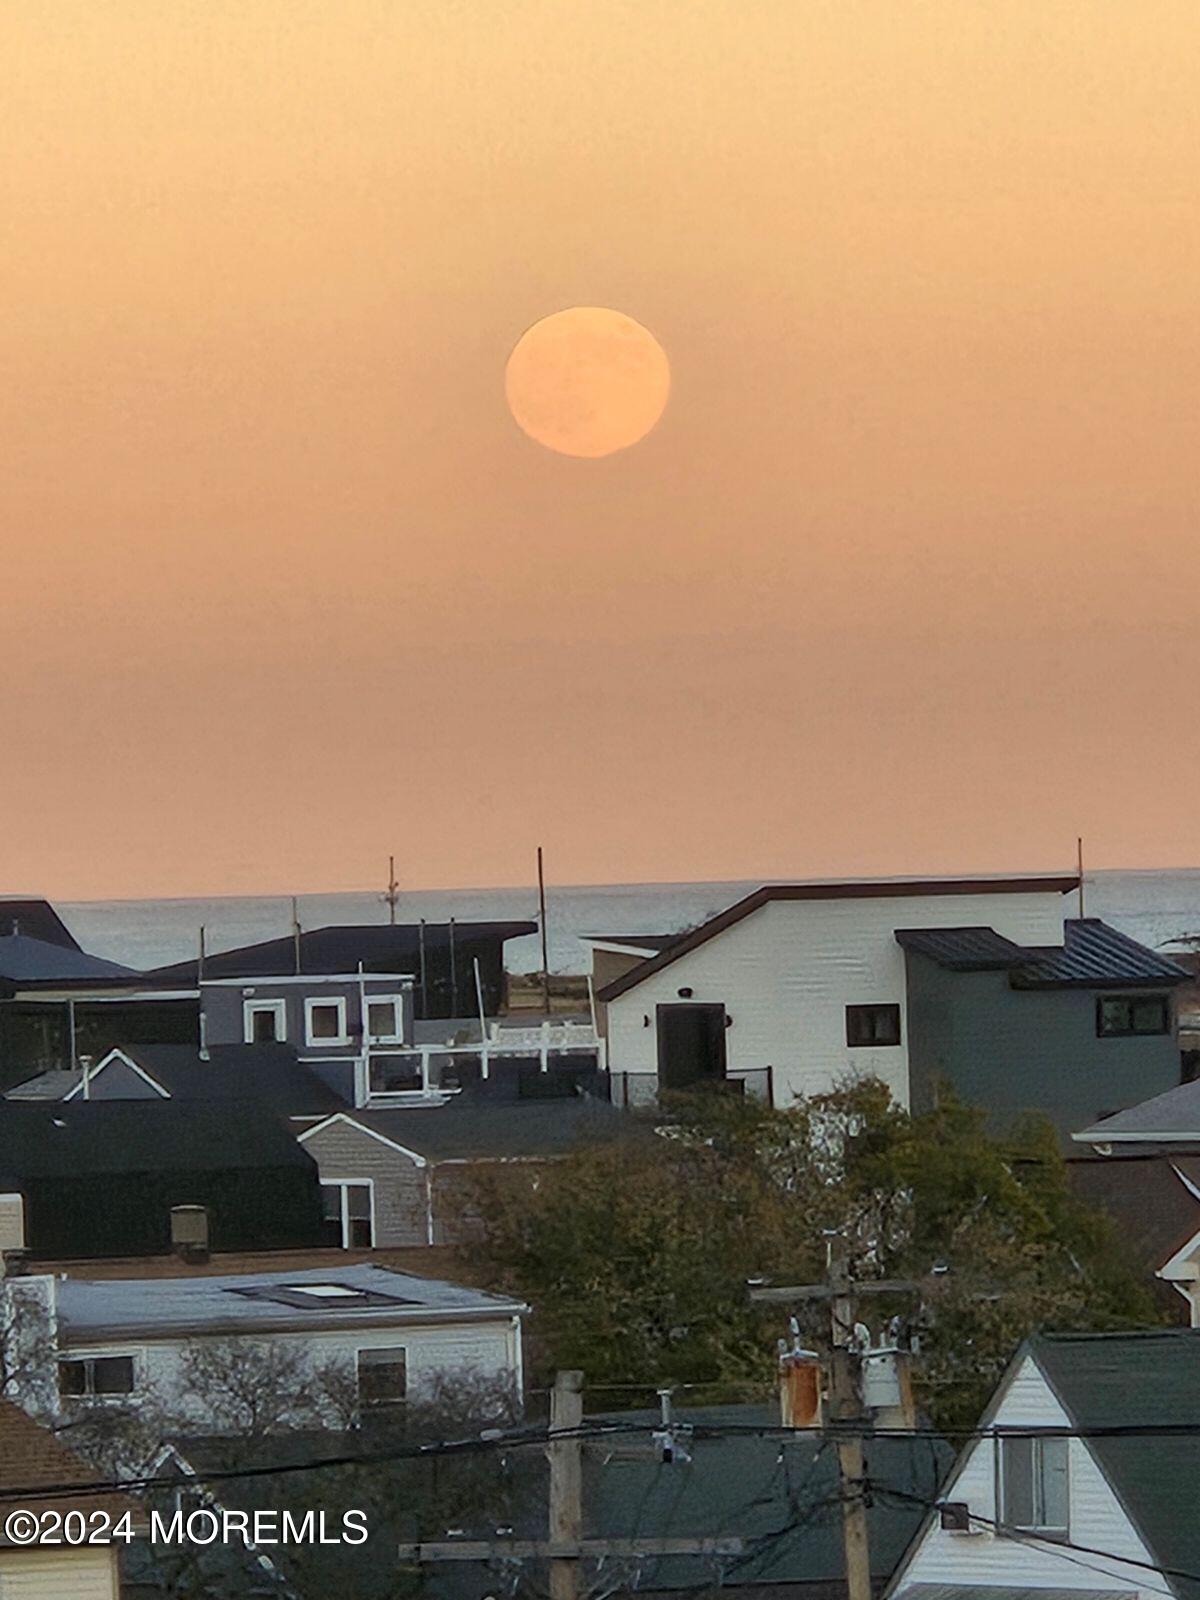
(376, 1317)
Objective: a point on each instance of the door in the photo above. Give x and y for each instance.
(691, 1045)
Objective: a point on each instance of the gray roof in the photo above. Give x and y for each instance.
(36, 918)
(171, 1308)
(1093, 953)
(963, 949)
(268, 1073)
(1170, 1117)
(54, 1085)
(24, 960)
(1139, 1380)
(480, 1129)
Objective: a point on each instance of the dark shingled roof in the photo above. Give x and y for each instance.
(1124, 1380)
(469, 1129)
(1151, 1200)
(382, 947)
(1094, 953)
(37, 919)
(267, 1073)
(40, 1140)
(26, 962)
(963, 949)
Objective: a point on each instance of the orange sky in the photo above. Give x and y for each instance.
(904, 581)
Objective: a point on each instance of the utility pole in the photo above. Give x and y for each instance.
(566, 1547)
(393, 890)
(848, 1420)
(545, 942)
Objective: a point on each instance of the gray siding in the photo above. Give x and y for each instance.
(342, 1151)
(1013, 1050)
(224, 1018)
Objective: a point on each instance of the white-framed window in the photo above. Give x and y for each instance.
(1033, 1483)
(95, 1377)
(325, 1020)
(349, 1211)
(385, 1019)
(264, 1021)
(382, 1380)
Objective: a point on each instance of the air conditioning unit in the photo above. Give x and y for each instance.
(954, 1516)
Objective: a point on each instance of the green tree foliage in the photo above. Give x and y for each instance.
(636, 1255)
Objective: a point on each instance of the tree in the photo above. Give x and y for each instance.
(635, 1256)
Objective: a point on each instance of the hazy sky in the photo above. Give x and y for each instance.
(905, 580)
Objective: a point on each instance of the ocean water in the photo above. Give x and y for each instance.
(1160, 908)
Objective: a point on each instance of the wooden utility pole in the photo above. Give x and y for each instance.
(566, 1547)
(1079, 867)
(296, 934)
(545, 942)
(393, 890)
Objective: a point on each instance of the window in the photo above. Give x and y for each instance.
(95, 1376)
(264, 1021)
(382, 1379)
(385, 1015)
(347, 1208)
(397, 1074)
(1120, 1015)
(1033, 1485)
(325, 1021)
(867, 1025)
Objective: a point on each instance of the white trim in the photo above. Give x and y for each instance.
(343, 1184)
(117, 1054)
(624, 947)
(353, 1122)
(325, 1041)
(396, 1001)
(277, 1007)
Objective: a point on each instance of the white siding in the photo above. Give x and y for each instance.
(492, 1350)
(1096, 1518)
(82, 1574)
(787, 972)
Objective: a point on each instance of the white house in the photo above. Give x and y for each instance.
(1082, 1481)
(387, 1336)
(800, 986)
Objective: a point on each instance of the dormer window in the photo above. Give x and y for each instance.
(385, 1019)
(325, 1021)
(264, 1021)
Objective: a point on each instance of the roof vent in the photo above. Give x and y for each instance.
(954, 1516)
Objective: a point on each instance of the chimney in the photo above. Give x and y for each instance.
(189, 1232)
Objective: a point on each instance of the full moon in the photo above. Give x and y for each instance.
(587, 381)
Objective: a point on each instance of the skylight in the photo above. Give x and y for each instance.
(327, 1291)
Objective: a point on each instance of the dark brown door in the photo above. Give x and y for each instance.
(691, 1045)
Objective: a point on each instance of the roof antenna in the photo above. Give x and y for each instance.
(1079, 861)
(393, 890)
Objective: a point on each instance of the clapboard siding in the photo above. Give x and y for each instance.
(787, 972)
(343, 1150)
(1096, 1517)
(79, 1574)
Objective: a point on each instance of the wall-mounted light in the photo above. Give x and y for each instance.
(685, 994)
(728, 1020)
(645, 1022)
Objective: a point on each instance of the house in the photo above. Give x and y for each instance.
(439, 957)
(388, 1335)
(1082, 1480)
(38, 1464)
(102, 1178)
(404, 1177)
(981, 983)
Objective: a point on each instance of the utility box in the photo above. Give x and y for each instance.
(801, 1389)
(189, 1232)
(887, 1388)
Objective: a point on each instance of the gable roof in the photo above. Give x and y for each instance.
(1138, 1380)
(380, 947)
(843, 889)
(1093, 953)
(479, 1130)
(27, 962)
(67, 1139)
(36, 919)
(33, 1458)
(268, 1073)
(1171, 1116)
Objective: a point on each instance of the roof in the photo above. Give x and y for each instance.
(53, 1085)
(1093, 953)
(1172, 1116)
(168, 1308)
(1152, 1199)
(995, 1591)
(963, 949)
(1126, 1380)
(467, 1130)
(380, 947)
(27, 961)
(843, 889)
(61, 1140)
(650, 942)
(269, 1074)
(38, 920)
(31, 1457)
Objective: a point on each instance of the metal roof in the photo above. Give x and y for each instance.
(1095, 954)
(167, 1308)
(963, 949)
(24, 961)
